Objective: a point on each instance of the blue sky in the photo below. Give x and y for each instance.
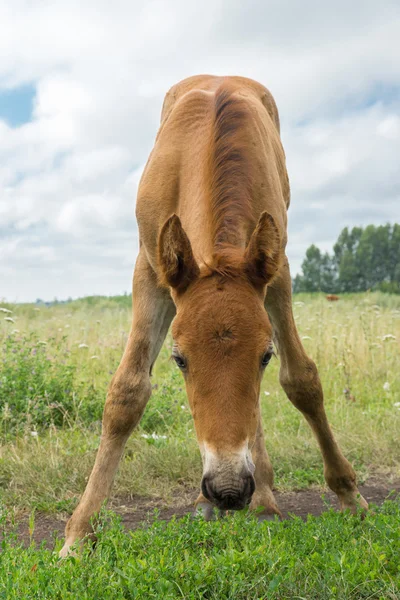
(81, 90)
(16, 105)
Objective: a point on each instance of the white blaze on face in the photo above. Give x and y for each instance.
(215, 462)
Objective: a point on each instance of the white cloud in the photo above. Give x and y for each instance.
(68, 178)
(389, 127)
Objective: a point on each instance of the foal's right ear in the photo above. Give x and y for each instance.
(263, 254)
(178, 265)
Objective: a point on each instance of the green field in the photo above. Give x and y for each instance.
(56, 364)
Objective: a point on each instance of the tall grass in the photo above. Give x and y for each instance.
(56, 364)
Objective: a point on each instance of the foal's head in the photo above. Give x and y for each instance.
(222, 344)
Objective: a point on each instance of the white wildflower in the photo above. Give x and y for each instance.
(9, 319)
(183, 407)
(267, 393)
(15, 331)
(388, 336)
(83, 346)
(94, 357)
(34, 433)
(5, 310)
(37, 309)
(153, 436)
(298, 303)
(66, 326)
(334, 337)
(386, 386)
(306, 337)
(397, 405)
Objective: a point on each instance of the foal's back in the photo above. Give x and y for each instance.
(178, 175)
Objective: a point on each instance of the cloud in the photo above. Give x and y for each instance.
(69, 176)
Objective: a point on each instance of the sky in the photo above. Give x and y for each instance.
(81, 90)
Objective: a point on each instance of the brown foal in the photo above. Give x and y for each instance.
(211, 210)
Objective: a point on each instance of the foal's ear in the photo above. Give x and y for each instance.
(263, 253)
(175, 256)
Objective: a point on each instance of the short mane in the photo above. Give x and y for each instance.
(230, 169)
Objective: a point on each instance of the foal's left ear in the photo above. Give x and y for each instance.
(178, 265)
(263, 253)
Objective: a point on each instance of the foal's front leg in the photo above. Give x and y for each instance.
(299, 378)
(263, 497)
(128, 394)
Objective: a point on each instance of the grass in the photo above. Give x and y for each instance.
(58, 361)
(56, 364)
(333, 556)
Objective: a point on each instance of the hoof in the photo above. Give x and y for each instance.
(354, 504)
(206, 510)
(74, 547)
(272, 517)
(67, 550)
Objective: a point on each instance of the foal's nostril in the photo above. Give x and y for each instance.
(225, 496)
(206, 488)
(249, 487)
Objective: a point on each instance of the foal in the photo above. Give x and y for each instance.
(211, 210)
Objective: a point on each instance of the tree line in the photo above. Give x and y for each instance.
(363, 259)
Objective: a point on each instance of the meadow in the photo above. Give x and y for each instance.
(56, 363)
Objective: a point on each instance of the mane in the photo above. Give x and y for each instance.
(230, 170)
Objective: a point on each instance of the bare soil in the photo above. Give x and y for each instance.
(137, 511)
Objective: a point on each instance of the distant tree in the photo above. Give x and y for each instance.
(394, 259)
(319, 272)
(363, 259)
(312, 269)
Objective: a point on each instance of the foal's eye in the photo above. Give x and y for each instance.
(266, 358)
(180, 361)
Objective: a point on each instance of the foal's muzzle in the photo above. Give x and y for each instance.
(228, 493)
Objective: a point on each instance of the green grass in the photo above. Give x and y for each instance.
(56, 364)
(333, 556)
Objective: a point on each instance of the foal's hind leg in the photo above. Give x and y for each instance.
(128, 394)
(299, 378)
(263, 497)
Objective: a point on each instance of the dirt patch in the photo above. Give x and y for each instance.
(135, 511)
